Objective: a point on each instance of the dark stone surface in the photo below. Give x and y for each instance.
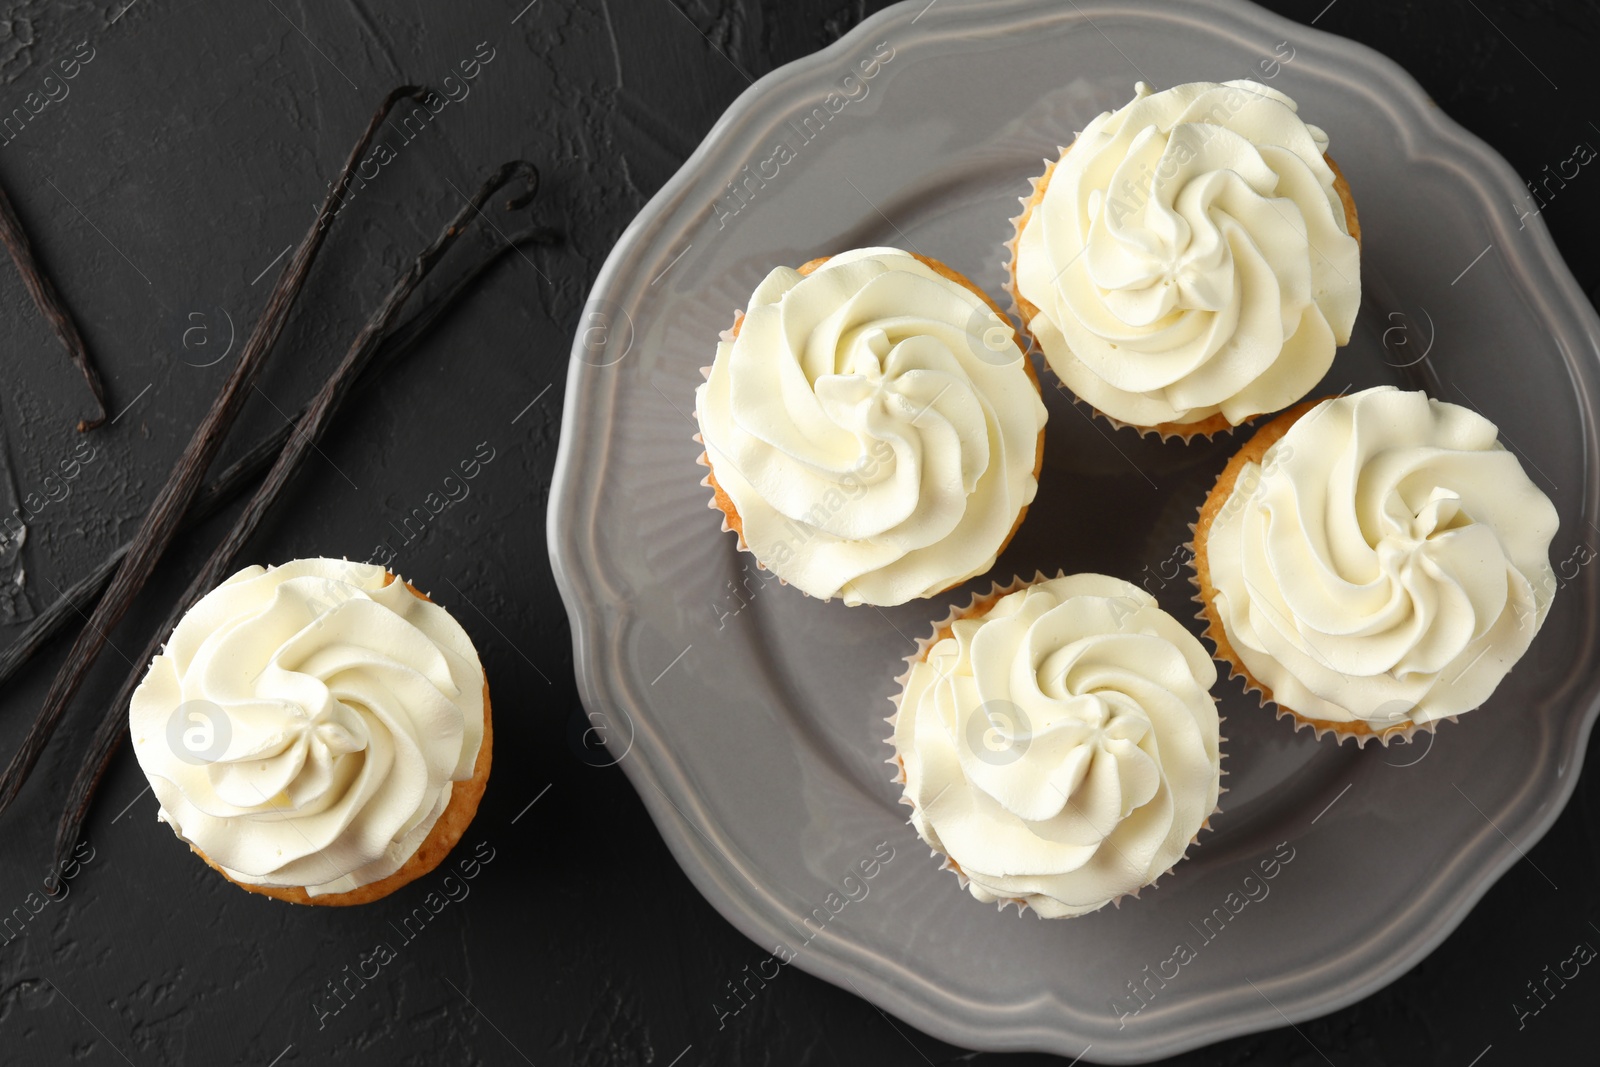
(187, 154)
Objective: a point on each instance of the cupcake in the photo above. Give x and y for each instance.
(1057, 742)
(1374, 563)
(317, 732)
(1191, 260)
(872, 428)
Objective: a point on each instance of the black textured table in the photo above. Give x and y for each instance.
(162, 180)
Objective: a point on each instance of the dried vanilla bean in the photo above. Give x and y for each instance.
(224, 489)
(49, 303)
(161, 522)
(114, 725)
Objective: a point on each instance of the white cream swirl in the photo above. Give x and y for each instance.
(1191, 257)
(875, 427)
(304, 723)
(1387, 562)
(1062, 748)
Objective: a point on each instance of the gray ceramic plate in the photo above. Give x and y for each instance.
(749, 717)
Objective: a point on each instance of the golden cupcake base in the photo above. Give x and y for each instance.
(446, 833)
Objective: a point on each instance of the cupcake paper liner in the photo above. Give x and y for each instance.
(979, 604)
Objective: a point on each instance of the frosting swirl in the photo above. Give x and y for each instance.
(1061, 749)
(304, 723)
(1191, 257)
(1387, 562)
(874, 425)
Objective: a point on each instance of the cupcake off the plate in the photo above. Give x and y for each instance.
(317, 732)
(872, 429)
(1057, 742)
(1191, 260)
